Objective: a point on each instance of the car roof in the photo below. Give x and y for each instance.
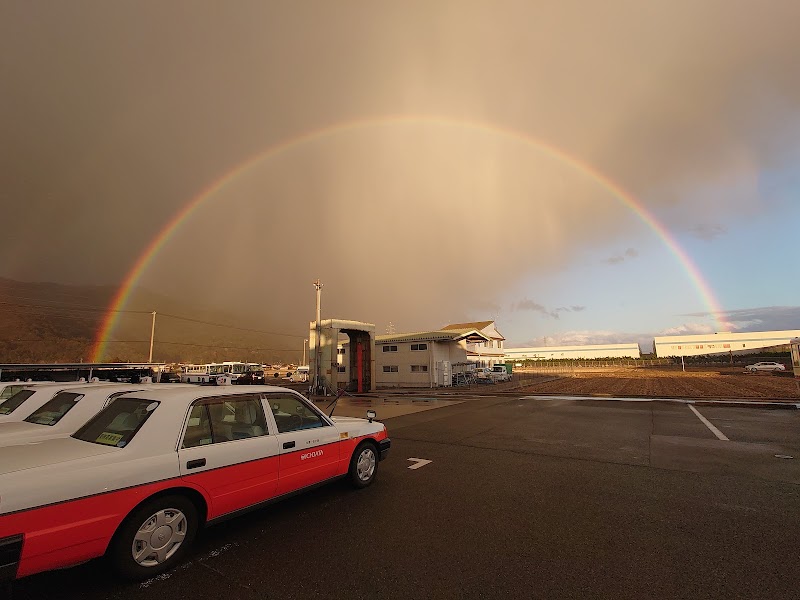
(110, 387)
(177, 393)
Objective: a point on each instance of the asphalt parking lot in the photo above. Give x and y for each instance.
(523, 498)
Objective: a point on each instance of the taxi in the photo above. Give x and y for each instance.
(137, 481)
(28, 399)
(66, 411)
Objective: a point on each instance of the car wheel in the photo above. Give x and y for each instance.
(363, 465)
(154, 538)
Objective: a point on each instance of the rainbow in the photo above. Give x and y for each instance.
(122, 296)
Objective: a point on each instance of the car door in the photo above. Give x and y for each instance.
(307, 441)
(228, 450)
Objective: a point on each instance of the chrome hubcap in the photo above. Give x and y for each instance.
(366, 464)
(159, 537)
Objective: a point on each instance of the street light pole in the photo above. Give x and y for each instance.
(317, 349)
(152, 336)
(304, 352)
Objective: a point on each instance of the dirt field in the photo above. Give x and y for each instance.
(667, 383)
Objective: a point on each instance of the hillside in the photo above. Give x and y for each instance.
(48, 322)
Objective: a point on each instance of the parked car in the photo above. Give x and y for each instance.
(30, 398)
(500, 373)
(765, 366)
(9, 388)
(66, 411)
(137, 480)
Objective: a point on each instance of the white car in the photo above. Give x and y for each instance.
(765, 366)
(9, 388)
(31, 397)
(138, 479)
(499, 373)
(66, 411)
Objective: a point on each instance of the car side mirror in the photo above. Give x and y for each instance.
(371, 414)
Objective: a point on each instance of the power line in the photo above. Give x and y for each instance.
(218, 346)
(229, 326)
(73, 307)
(64, 308)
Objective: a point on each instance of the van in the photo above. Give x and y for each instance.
(300, 375)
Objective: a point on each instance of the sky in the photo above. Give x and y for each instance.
(578, 172)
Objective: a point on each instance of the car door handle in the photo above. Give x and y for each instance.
(194, 464)
(287, 445)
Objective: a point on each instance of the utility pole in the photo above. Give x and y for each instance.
(317, 349)
(152, 336)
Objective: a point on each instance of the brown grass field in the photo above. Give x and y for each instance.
(669, 383)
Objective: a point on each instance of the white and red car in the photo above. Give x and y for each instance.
(25, 401)
(66, 411)
(137, 481)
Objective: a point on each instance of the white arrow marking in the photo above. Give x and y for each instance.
(420, 462)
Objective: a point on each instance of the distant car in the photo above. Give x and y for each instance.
(137, 480)
(765, 366)
(499, 373)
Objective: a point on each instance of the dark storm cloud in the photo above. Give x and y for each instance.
(707, 231)
(620, 258)
(115, 114)
(530, 305)
(555, 313)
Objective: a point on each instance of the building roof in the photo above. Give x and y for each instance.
(73, 366)
(476, 325)
(471, 335)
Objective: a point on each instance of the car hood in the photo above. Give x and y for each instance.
(21, 456)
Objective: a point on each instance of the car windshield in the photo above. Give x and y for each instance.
(117, 423)
(13, 403)
(52, 412)
(9, 391)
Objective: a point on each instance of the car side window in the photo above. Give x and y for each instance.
(292, 414)
(224, 419)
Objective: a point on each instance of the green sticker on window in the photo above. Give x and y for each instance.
(110, 439)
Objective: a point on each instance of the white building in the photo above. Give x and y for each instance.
(484, 353)
(629, 350)
(716, 343)
(421, 359)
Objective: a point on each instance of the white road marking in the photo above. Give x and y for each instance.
(783, 456)
(420, 462)
(710, 425)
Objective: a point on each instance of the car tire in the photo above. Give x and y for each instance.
(363, 465)
(169, 520)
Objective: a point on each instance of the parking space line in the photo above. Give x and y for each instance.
(710, 425)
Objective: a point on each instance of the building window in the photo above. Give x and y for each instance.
(390, 369)
(390, 348)
(340, 351)
(419, 346)
(341, 369)
(419, 368)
